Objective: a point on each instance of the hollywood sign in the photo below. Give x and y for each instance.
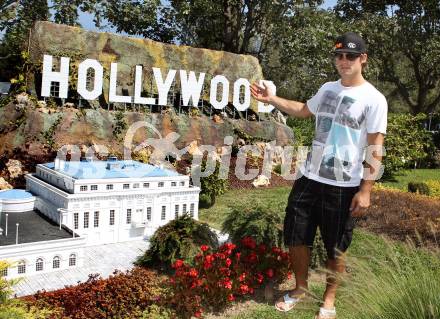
(191, 85)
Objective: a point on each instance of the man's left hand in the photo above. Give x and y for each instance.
(359, 203)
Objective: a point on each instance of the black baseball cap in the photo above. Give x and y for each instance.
(350, 42)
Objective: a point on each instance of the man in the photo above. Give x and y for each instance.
(351, 119)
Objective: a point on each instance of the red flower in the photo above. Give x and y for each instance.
(204, 248)
(228, 246)
(227, 283)
(276, 250)
(231, 297)
(261, 248)
(177, 264)
(251, 290)
(248, 242)
(228, 262)
(242, 277)
(220, 255)
(260, 278)
(198, 313)
(252, 258)
(289, 275)
(209, 258)
(269, 272)
(244, 289)
(207, 265)
(237, 255)
(193, 273)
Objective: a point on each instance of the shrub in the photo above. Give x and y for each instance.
(403, 282)
(406, 143)
(219, 277)
(205, 201)
(434, 187)
(212, 185)
(303, 130)
(178, 239)
(263, 223)
(122, 295)
(417, 187)
(15, 308)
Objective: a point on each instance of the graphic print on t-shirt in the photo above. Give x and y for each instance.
(329, 102)
(349, 117)
(339, 153)
(323, 126)
(338, 130)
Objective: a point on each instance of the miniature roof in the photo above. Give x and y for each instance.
(110, 169)
(15, 194)
(33, 227)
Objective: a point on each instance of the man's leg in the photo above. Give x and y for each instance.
(335, 267)
(300, 258)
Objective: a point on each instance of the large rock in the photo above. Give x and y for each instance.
(79, 44)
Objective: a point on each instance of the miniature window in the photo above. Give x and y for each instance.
(21, 267)
(184, 209)
(136, 185)
(56, 262)
(39, 264)
(191, 209)
(55, 89)
(4, 272)
(94, 187)
(128, 216)
(161, 184)
(96, 219)
(146, 185)
(75, 220)
(109, 186)
(164, 210)
(176, 211)
(126, 186)
(112, 217)
(86, 219)
(173, 184)
(149, 213)
(182, 183)
(83, 188)
(72, 260)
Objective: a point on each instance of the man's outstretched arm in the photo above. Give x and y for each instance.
(294, 108)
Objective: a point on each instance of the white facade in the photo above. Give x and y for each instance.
(127, 201)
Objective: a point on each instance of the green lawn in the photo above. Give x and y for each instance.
(413, 175)
(274, 197)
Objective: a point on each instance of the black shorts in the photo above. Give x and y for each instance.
(312, 204)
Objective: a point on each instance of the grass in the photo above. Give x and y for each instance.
(381, 272)
(215, 215)
(402, 179)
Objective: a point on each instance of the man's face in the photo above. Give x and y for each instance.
(349, 64)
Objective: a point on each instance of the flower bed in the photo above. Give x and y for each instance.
(219, 277)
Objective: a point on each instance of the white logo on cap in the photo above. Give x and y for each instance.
(351, 45)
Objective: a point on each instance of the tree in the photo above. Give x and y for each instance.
(404, 41)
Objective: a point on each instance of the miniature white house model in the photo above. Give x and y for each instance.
(69, 205)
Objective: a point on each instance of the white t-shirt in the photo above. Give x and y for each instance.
(344, 116)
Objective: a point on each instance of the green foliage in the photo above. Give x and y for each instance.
(178, 239)
(205, 201)
(49, 135)
(434, 187)
(391, 281)
(406, 142)
(212, 185)
(303, 130)
(411, 33)
(420, 188)
(261, 222)
(318, 256)
(120, 124)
